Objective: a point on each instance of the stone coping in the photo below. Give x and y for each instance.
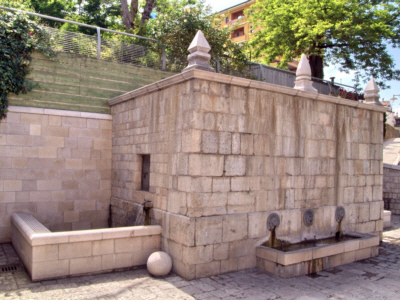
(389, 166)
(221, 78)
(297, 256)
(27, 224)
(58, 112)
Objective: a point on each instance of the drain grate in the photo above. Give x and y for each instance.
(10, 268)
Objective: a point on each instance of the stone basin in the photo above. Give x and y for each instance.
(322, 256)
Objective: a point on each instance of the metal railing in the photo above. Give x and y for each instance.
(286, 78)
(100, 48)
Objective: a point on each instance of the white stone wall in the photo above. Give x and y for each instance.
(391, 190)
(55, 165)
(226, 152)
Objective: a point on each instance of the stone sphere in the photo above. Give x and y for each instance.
(159, 263)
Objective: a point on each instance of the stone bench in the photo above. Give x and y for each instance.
(47, 254)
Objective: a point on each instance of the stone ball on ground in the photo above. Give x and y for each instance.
(159, 263)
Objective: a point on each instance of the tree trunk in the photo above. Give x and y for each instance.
(147, 10)
(134, 10)
(125, 15)
(317, 66)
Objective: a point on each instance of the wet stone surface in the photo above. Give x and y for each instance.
(375, 278)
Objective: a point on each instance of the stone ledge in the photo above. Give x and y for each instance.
(48, 255)
(315, 259)
(58, 112)
(220, 78)
(393, 167)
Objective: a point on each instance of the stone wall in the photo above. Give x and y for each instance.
(226, 152)
(55, 165)
(391, 188)
(79, 83)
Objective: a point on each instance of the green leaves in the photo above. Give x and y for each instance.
(352, 33)
(176, 25)
(18, 37)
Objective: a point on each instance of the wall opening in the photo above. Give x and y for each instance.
(145, 178)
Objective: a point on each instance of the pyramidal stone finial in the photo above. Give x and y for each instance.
(199, 58)
(371, 93)
(303, 80)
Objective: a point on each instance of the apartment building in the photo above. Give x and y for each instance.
(235, 16)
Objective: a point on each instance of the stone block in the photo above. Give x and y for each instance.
(128, 245)
(198, 254)
(236, 144)
(46, 270)
(234, 227)
(45, 253)
(229, 265)
(375, 210)
(221, 251)
(12, 185)
(247, 144)
(74, 250)
(206, 165)
(235, 165)
(191, 141)
(85, 265)
(221, 185)
(240, 202)
(208, 230)
(181, 229)
(208, 269)
(103, 247)
(225, 143)
(239, 184)
(246, 262)
(261, 145)
(177, 202)
(209, 141)
(201, 184)
(258, 224)
(327, 251)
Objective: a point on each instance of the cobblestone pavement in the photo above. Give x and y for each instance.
(375, 278)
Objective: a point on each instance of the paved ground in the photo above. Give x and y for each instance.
(376, 278)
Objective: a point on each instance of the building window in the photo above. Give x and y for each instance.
(145, 178)
(237, 33)
(226, 20)
(237, 15)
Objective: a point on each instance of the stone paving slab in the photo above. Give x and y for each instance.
(375, 278)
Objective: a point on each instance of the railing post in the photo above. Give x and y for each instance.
(98, 43)
(163, 59)
(218, 64)
(261, 76)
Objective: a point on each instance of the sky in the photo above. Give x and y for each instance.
(332, 70)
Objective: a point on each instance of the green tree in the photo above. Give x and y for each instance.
(351, 33)
(101, 13)
(176, 25)
(18, 37)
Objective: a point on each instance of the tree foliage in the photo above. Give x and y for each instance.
(177, 24)
(350, 33)
(18, 37)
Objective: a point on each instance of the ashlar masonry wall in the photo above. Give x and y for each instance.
(391, 191)
(225, 152)
(55, 165)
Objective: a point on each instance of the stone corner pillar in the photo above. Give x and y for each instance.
(199, 58)
(371, 93)
(303, 80)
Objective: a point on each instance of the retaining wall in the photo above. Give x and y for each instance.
(78, 83)
(391, 188)
(55, 165)
(225, 152)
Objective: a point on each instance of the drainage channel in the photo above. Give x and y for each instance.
(10, 268)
